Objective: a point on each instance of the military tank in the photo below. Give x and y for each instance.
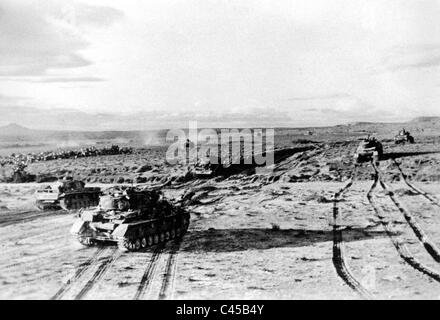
(67, 194)
(369, 149)
(403, 137)
(204, 168)
(131, 217)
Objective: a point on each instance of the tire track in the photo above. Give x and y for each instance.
(44, 255)
(338, 246)
(102, 268)
(423, 193)
(25, 216)
(401, 247)
(12, 246)
(148, 274)
(79, 272)
(430, 247)
(170, 272)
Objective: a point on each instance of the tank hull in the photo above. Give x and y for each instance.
(131, 236)
(365, 153)
(89, 197)
(402, 139)
(366, 156)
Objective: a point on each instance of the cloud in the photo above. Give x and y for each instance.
(350, 108)
(412, 57)
(30, 44)
(37, 39)
(97, 16)
(64, 79)
(64, 119)
(320, 97)
(6, 100)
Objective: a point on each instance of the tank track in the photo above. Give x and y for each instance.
(79, 200)
(47, 206)
(148, 239)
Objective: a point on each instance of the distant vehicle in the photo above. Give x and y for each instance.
(204, 168)
(67, 194)
(20, 175)
(403, 137)
(369, 149)
(133, 218)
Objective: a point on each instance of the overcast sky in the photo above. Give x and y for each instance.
(295, 63)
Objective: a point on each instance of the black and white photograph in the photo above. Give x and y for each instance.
(227, 150)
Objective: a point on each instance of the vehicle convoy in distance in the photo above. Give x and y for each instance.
(403, 137)
(131, 217)
(67, 194)
(369, 149)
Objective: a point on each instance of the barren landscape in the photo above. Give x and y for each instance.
(315, 226)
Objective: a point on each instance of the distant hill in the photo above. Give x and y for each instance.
(14, 129)
(426, 119)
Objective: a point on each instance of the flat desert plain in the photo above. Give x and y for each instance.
(314, 226)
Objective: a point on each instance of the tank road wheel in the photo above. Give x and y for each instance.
(173, 233)
(167, 236)
(156, 238)
(144, 243)
(150, 241)
(178, 232)
(137, 244)
(162, 237)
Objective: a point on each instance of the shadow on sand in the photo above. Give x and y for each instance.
(397, 155)
(249, 164)
(231, 240)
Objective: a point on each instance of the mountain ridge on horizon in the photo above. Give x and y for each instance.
(77, 120)
(14, 128)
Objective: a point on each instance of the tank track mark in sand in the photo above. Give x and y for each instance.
(16, 217)
(78, 273)
(423, 193)
(170, 272)
(31, 260)
(338, 246)
(427, 243)
(401, 247)
(149, 273)
(102, 268)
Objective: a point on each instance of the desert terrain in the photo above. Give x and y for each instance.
(314, 226)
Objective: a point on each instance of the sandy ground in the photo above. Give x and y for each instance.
(306, 230)
(272, 242)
